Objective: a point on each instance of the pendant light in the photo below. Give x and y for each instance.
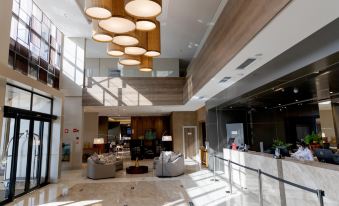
(115, 50)
(120, 22)
(145, 24)
(143, 8)
(153, 42)
(99, 34)
(146, 64)
(98, 9)
(140, 48)
(128, 39)
(130, 60)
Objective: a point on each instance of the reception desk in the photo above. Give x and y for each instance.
(314, 175)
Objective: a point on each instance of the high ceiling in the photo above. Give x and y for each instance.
(184, 24)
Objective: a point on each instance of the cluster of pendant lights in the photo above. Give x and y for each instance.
(129, 27)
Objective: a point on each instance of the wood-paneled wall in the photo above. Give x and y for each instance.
(160, 124)
(239, 22)
(133, 91)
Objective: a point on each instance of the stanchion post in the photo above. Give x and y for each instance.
(230, 175)
(214, 167)
(261, 202)
(321, 195)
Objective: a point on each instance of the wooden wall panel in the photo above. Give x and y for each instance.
(133, 91)
(159, 124)
(239, 22)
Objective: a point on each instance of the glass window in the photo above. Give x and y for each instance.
(15, 8)
(35, 40)
(36, 25)
(26, 5)
(17, 98)
(14, 28)
(45, 32)
(23, 32)
(53, 57)
(37, 13)
(44, 51)
(46, 21)
(24, 16)
(53, 30)
(41, 104)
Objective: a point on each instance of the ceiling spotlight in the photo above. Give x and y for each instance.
(98, 9)
(115, 50)
(99, 34)
(295, 90)
(130, 60)
(143, 8)
(331, 92)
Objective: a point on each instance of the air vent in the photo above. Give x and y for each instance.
(246, 63)
(225, 79)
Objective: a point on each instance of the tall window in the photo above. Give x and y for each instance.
(36, 43)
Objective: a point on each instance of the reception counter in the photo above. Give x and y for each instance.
(314, 175)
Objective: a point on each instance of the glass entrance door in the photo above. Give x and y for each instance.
(6, 154)
(24, 151)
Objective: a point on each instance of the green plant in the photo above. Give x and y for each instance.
(312, 138)
(279, 143)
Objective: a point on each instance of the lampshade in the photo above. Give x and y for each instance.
(98, 9)
(166, 138)
(143, 8)
(146, 64)
(140, 48)
(98, 141)
(145, 25)
(115, 50)
(154, 41)
(130, 60)
(120, 22)
(99, 34)
(126, 39)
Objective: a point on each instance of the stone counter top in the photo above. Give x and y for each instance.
(314, 163)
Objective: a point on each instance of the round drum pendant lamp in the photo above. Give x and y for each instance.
(115, 50)
(146, 64)
(99, 34)
(145, 25)
(98, 9)
(130, 60)
(120, 22)
(154, 42)
(143, 8)
(140, 48)
(128, 39)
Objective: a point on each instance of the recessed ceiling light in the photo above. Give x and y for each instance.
(296, 100)
(279, 104)
(331, 92)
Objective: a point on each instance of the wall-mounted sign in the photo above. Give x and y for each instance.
(75, 130)
(66, 131)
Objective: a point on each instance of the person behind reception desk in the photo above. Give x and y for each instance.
(303, 153)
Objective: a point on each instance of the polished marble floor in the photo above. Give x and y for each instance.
(196, 187)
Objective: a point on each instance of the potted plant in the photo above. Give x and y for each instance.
(313, 140)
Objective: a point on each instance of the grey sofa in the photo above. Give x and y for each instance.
(167, 168)
(100, 171)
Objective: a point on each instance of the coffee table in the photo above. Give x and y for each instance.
(137, 170)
